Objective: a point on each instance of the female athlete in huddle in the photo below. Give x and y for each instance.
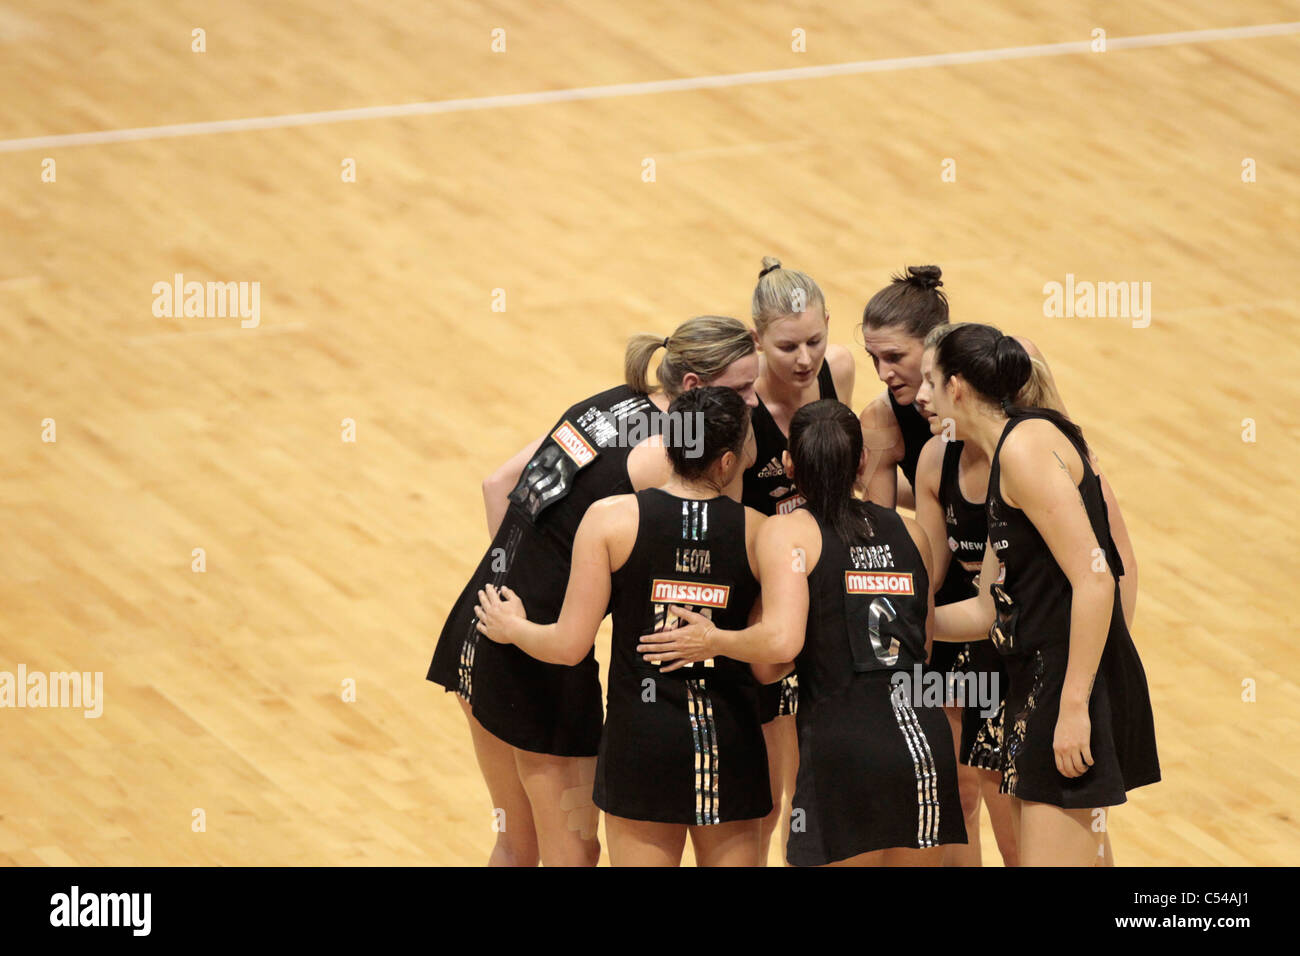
(681, 753)
(951, 486)
(797, 366)
(536, 726)
(1077, 730)
(847, 595)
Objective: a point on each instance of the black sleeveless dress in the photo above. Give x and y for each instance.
(1032, 633)
(684, 746)
(876, 766)
(529, 704)
(767, 490)
(975, 677)
(916, 432)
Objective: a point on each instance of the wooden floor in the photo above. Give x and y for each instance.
(330, 561)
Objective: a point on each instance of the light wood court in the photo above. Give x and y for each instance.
(331, 561)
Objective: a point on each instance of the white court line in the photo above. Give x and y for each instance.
(197, 333)
(683, 84)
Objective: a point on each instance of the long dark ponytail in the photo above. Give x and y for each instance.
(826, 445)
(997, 367)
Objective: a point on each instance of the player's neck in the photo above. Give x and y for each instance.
(697, 490)
(985, 430)
(972, 455)
(773, 391)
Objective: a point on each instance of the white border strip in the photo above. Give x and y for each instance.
(683, 84)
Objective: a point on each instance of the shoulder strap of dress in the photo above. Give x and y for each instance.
(760, 416)
(1006, 430)
(826, 380)
(951, 463)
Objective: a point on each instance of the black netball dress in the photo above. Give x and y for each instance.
(684, 746)
(916, 432)
(975, 668)
(1032, 633)
(876, 767)
(768, 491)
(532, 705)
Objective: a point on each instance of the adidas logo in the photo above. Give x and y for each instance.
(773, 469)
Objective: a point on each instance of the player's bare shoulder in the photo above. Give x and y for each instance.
(614, 512)
(843, 371)
(880, 431)
(930, 462)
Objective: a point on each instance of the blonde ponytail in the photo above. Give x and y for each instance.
(782, 292)
(705, 345)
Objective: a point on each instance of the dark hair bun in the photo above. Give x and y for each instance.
(924, 277)
(724, 418)
(1013, 366)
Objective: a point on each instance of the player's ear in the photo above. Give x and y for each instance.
(689, 381)
(862, 463)
(727, 466)
(787, 463)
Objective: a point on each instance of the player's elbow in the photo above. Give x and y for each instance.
(1097, 588)
(787, 645)
(496, 487)
(769, 673)
(571, 655)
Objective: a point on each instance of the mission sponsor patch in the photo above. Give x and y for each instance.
(688, 593)
(871, 582)
(575, 446)
(790, 504)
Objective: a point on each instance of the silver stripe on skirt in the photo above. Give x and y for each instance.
(927, 784)
(705, 736)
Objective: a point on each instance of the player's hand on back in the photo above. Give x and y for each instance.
(495, 610)
(680, 645)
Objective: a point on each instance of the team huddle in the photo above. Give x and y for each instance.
(774, 613)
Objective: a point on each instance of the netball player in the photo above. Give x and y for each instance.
(951, 486)
(536, 727)
(681, 753)
(1077, 726)
(895, 323)
(796, 366)
(847, 595)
